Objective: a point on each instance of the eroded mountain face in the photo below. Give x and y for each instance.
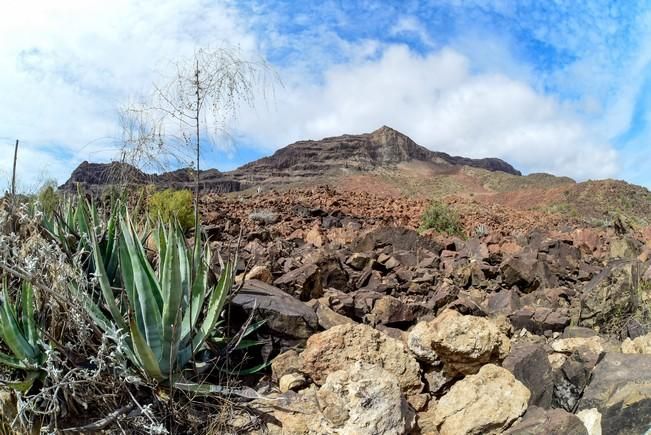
(384, 148)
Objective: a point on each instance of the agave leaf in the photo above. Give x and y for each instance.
(11, 361)
(149, 361)
(197, 300)
(146, 289)
(13, 337)
(104, 283)
(93, 310)
(25, 385)
(10, 330)
(172, 287)
(215, 305)
(29, 324)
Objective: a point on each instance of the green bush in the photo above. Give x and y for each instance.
(169, 204)
(48, 197)
(442, 219)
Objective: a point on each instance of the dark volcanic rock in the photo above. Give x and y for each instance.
(283, 314)
(529, 365)
(95, 176)
(620, 389)
(539, 421)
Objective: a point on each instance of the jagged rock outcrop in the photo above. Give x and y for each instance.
(93, 177)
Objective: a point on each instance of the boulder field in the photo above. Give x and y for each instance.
(374, 328)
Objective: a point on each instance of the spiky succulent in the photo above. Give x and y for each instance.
(170, 310)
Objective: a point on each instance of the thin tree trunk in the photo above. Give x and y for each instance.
(196, 185)
(13, 190)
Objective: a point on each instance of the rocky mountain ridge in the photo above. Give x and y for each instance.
(383, 148)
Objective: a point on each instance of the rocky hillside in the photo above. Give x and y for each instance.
(537, 326)
(299, 162)
(383, 148)
(97, 176)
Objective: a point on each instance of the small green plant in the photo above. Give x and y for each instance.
(169, 205)
(442, 219)
(48, 197)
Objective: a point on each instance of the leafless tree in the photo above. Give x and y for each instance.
(193, 108)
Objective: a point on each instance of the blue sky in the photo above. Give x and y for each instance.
(558, 86)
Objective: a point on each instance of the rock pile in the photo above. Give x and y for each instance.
(374, 328)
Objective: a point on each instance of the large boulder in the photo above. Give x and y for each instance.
(340, 345)
(539, 421)
(527, 272)
(283, 314)
(571, 378)
(620, 389)
(462, 343)
(540, 319)
(363, 399)
(485, 403)
(530, 365)
(613, 295)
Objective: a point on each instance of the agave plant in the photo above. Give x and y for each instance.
(170, 310)
(72, 225)
(19, 333)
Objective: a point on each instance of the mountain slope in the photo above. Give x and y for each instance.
(383, 148)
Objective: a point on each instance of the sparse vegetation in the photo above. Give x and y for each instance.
(172, 205)
(441, 218)
(94, 324)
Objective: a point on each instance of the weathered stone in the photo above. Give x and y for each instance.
(539, 421)
(286, 363)
(335, 348)
(529, 365)
(485, 403)
(283, 313)
(572, 377)
(291, 381)
(260, 273)
(362, 399)
(305, 282)
(328, 318)
(612, 295)
(358, 260)
(389, 310)
(592, 344)
(638, 345)
(620, 389)
(463, 343)
(591, 419)
(540, 319)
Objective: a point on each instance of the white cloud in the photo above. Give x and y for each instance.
(412, 25)
(66, 66)
(441, 104)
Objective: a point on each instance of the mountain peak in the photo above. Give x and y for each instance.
(386, 133)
